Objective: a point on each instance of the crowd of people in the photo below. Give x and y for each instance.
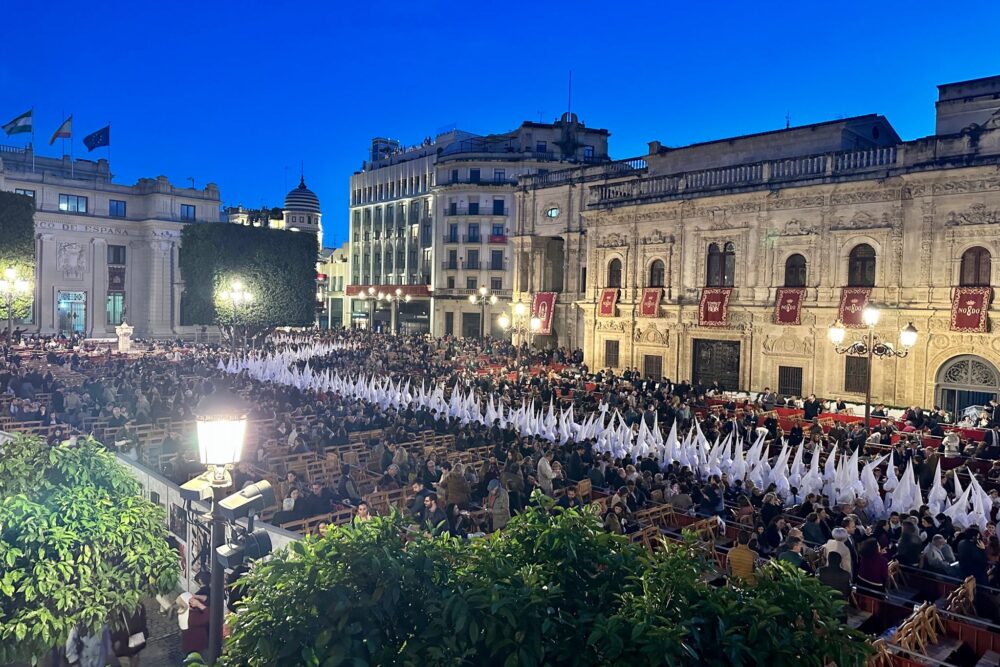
(843, 543)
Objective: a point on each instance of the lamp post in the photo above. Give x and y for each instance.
(484, 298)
(394, 299)
(369, 296)
(237, 297)
(221, 421)
(520, 326)
(870, 346)
(12, 287)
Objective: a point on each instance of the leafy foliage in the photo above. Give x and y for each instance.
(78, 543)
(278, 267)
(17, 244)
(551, 589)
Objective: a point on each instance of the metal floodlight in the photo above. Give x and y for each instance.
(251, 546)
(199, 488)
(251, 500)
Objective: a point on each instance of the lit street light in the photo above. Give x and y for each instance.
(484, 298)
(12, 287)
(221, 422)
(369, 296)
(520, 326)
(871, 345)
(237, 297)
(394, 300)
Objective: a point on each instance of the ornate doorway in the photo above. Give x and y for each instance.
(965, 381)
(716, 360)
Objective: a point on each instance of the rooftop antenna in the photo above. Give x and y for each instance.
(191, 178)
(302, 170)
(541, 113)
(788, 120)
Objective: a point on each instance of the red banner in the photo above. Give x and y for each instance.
(543, 306)
(788, 306)
(714, 308)
(969, 307)
(116, 278)
(650, 306)
(852, 302)
(609, 297)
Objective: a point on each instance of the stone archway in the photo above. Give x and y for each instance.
(964, 381)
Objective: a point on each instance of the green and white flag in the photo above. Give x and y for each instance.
(20, 124)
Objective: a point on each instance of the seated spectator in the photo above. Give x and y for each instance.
(791, 552)
(873, 566)
(835, 576)
(938, 557)
(909, 546)
(838, 544)
(741, 560)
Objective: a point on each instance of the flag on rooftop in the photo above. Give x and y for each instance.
(20, 124)
(64, 131)
(100, 138)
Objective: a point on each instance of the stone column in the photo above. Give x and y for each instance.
(97, 303)
(158, 322)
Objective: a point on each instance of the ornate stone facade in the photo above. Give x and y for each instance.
(817, 192)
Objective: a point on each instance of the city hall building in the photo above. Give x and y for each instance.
(730, 260)
(105, 251)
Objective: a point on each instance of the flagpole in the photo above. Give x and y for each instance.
(110, 173)
(32, 139)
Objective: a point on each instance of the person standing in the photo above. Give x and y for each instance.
(129, 638)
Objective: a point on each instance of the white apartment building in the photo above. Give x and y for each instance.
(105, 251)
(434, 221)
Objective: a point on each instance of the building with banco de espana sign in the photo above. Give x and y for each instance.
(105, 252)
(729, 260)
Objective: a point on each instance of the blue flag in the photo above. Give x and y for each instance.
(100, 138)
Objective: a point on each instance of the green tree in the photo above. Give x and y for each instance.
(553, 588)
(78, 544)
(278, 267)
(17, 245)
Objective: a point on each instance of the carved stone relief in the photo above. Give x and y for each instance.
(72, 260)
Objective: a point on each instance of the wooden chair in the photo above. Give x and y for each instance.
(962, 600)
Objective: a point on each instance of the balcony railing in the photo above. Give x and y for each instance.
(747, 175)
(466, 293)
(472, 266)
(449, 266)
(482, 210)
(452, 238)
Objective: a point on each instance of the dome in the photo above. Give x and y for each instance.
(302, 199)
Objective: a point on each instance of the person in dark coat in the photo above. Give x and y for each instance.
(972, 556)
(194, 638)
(130, 625)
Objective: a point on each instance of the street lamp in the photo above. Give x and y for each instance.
(221, 419)
(394, 300)
(871, 345)
(484, 298)
(237, 297)
(369, 296)
(520, 326)
(12, 287)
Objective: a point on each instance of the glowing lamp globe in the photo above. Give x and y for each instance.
(504, 322)
(870, 315)
(520, 309)
(472, 298)
(221, 419)
(908, 336)
(536, 324)
(837, 333)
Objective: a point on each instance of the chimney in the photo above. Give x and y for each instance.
(654, 147)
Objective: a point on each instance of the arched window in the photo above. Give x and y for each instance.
(861, 266)
(721, 265)
(615, 273)
(795, 271)
(656, 271)
(976, 267)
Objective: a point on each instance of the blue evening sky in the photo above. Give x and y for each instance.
(241, 93)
